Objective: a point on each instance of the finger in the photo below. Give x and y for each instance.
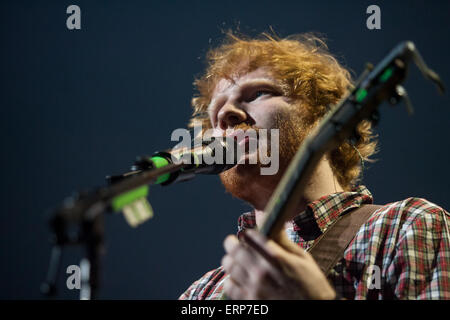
(263, 289)
(277, 258)
(235, 270)
(261, 245)
(246, 266)
(269, 260)
(240, 260)
(240, 252)
(233, 290)
(230, 244)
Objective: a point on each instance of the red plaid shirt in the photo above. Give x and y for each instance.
(406, 243)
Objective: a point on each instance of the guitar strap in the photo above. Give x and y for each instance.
(329, 248)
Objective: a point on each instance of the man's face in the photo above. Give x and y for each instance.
(254, 101)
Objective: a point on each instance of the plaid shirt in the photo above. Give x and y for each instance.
(406, 243)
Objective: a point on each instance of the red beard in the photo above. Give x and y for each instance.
(239, 180)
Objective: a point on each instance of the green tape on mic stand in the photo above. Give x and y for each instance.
(134, 205)
(160, 162)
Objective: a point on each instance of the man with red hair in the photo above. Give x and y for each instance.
(290, 84)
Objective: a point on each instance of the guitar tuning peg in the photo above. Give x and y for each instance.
(401, 94)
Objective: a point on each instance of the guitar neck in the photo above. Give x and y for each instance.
(336, 127)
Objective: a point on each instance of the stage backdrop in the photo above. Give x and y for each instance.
(77, 105)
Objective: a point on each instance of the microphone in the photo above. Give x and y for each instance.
(206, 157)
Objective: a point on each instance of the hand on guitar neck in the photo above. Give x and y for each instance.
(259, 268)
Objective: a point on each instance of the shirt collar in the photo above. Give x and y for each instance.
(319, 214)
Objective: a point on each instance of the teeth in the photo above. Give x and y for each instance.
(138, 212)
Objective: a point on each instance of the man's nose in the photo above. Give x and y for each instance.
(229, 116)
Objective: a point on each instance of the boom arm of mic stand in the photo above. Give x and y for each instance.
(86, 210)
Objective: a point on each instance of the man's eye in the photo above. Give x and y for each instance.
(261, 93)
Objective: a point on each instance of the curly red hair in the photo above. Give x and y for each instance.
(307, 72)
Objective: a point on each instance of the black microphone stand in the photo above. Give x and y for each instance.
(86, 211)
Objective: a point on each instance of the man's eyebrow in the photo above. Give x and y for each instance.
(249, 83)
(261, 81)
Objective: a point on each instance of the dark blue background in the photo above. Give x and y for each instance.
(78, 105)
